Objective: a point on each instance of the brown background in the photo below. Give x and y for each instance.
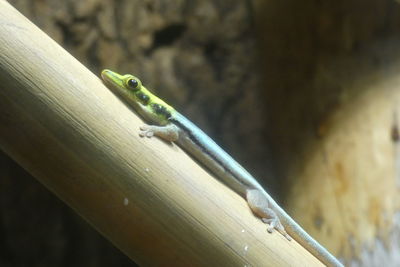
(263, 78)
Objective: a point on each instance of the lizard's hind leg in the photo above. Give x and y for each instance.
(258, 203)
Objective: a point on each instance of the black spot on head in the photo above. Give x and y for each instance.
(167, 114)
(161, 110)
(156, 108)
(143, 98)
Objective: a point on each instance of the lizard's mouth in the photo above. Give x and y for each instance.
(112, 78)
(115, 82)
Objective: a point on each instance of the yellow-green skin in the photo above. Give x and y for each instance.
(148, 105)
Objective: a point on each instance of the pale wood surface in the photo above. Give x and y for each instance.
(149, 198)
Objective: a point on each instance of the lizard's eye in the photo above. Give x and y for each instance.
(133, 84)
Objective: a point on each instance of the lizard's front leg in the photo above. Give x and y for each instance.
(258, 203)
(168, 132)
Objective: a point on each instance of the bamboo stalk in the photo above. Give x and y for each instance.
(149, 198)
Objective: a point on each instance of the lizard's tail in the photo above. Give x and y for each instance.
(301, 236)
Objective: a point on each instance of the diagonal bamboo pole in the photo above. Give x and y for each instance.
(150, 199)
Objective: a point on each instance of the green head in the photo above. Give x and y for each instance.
(137, 96)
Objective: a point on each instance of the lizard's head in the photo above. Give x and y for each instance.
(125, 85)
(136, 95)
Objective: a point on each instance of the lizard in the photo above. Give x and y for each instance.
(170, 125)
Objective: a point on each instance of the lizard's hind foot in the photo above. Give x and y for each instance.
(258, 203)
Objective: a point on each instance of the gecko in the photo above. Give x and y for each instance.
(170, 125)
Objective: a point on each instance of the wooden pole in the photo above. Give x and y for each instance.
(149, 198)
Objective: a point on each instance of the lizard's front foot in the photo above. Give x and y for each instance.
(169, 132)
(146, 131)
